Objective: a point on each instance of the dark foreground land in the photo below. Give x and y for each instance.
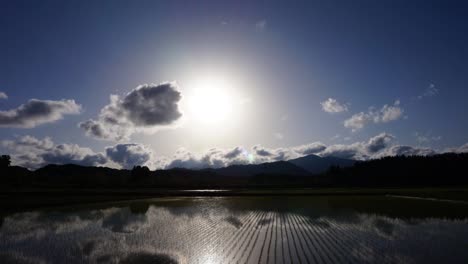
(438, 177)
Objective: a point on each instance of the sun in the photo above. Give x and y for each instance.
(211, 100)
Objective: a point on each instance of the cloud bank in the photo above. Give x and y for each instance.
(33, 153)
(386, 114)
(378, 146)
(37, 112)
(146, 108)
(30, 152)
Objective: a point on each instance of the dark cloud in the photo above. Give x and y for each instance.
(150, 105)
(379, 142)
(36, 112)
(360, 150)
(401, 150)
(263, 154)
(73, 154)
(312, 148)
(282, 154)
(93, 127)
(145, 109)
(190, 163)
(129, 155)
(260, 151)
(234, 153)
(352, 151)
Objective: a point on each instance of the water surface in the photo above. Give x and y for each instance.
(326, 229)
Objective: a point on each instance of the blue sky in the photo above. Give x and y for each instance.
(278, 64)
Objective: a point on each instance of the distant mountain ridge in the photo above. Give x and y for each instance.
(278, 167)
(316, 164)
(301, 166)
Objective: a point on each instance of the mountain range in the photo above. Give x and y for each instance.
(311, 164)
(448, 169)
(315, 164)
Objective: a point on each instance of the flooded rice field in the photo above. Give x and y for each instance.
(325, 229)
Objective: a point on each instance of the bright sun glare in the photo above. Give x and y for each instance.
(211, 100)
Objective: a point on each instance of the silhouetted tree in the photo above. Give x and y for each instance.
(139, 173)
(447, 169)
(5, 161)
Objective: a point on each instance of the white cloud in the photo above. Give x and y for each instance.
(430, 91)
(33, 153)
(376, 147)
(389, 113)
(461, 149)
(333, 106)
(37, 112)
(28, 143)
(147, 108)
(213, 158)
(357, 121)
(386, 114)
(402, 150)
(3, 95)
(216, 158)
(426, 138)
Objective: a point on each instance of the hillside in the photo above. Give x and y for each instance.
(315, 164)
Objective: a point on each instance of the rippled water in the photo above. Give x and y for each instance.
(240, 230)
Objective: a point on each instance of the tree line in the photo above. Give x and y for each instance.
(448, 169)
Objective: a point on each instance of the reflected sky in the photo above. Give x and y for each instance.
(232, 230)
